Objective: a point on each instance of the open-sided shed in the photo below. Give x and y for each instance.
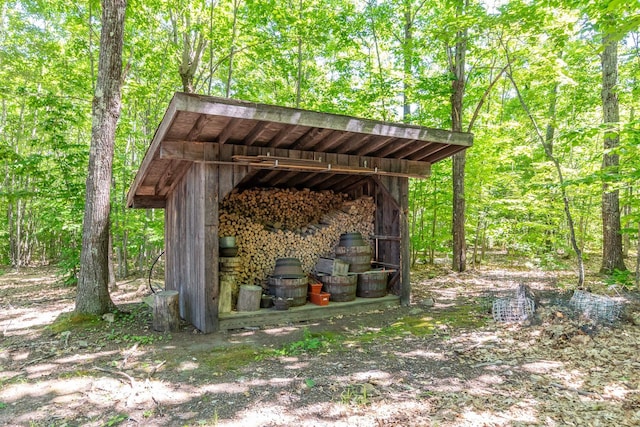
(207, 146)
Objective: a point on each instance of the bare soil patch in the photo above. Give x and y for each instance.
(440, 361)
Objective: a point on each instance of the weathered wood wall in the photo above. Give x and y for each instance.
(191, 240)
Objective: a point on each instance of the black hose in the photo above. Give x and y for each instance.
(151, 271)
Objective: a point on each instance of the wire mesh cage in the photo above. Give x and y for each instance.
(598, 308)
(516, 309)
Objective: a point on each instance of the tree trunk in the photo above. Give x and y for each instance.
(232, 50)
(626, 212)
(457, 65)
(612, 258)
(299, 65)
(407, 53)
(93, 290)
(434, 222)
(112, 274)
(638, 260)
(550, 133)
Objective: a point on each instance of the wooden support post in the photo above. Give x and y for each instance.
(227, 285)
(166, 311)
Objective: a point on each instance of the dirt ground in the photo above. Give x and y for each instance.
(441, 361)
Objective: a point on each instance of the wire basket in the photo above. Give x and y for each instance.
(598, 308)
(513, 309)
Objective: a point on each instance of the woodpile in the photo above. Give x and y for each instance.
(278, 223)
(288, 208)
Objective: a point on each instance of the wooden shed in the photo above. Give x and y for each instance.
(205, 147)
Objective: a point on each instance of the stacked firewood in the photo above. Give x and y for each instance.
(264, 234)
(288, 208)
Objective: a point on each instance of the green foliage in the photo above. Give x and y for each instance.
(357, 395)
(116, 420)
(310, 343)
(624, 278)
(123, 337)
(369, 59)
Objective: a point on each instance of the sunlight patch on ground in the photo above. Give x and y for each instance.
(422, 354)
(243, 386)
(87, 357)
(487, 379)
(516, 415)
(378, 376)
(18, 322)
(188, 365)
(541, 366)
(300, 365)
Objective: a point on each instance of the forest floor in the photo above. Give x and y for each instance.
(442, 361)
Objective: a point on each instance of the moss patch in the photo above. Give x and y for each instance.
(73, 321)
(458, 317)
(228, 359)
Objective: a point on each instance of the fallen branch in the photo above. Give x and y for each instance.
(39, 359)
(132, 381)
(580, 392)
(128, 354)
(155, 368)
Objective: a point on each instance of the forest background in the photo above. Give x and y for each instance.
(533, 73)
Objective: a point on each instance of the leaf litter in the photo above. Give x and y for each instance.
(441, 361)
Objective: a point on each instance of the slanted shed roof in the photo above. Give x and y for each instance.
(193, 124)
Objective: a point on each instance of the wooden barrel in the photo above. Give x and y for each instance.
(288, 268)
(351, 239)
(294, 289)
(230, 264)
(372, 284)
(341, 288)
(358, 257)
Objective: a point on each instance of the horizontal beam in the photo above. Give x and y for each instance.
(301, 161)
(148, 202)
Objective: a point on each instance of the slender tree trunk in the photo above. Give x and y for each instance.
(413, 220)
(299, 65)
(551, 128)
(638, 260)
(476, 242)
(18, 238)
(484, 241)
(612, 258)
(232, 50)
(93, 290)
(434, 222)
(112, 274)
(407, 53)
(210, 47)
(380, 75)
(626, 240)
(626, 237)
(457, 65)
(611, 237)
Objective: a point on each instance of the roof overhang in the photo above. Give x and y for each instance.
(195, 125)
